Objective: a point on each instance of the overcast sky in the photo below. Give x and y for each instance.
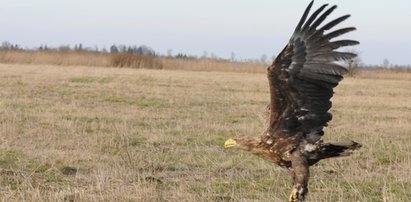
(249, 28)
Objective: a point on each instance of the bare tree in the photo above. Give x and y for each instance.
(353, 65)
(263, 58)
(232, 57)
(386, 63)
(169, 53)
(6, 45)
(205, 55)
(113, 49)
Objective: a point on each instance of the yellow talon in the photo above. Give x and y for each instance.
(293, 195)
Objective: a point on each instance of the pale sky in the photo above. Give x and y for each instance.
(249, 28)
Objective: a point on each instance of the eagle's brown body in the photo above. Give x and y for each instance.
(301, 81)
(280, 150)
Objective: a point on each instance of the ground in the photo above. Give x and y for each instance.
(108, 134)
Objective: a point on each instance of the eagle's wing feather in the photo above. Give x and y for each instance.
(303, 75)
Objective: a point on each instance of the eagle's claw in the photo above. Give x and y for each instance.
(296, 196)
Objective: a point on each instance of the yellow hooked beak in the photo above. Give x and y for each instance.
(229, 143)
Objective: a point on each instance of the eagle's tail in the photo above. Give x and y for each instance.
(330, 150)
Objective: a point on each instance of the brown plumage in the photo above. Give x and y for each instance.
(301, 81)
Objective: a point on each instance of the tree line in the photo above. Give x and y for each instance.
(134, 49)
(353, 65)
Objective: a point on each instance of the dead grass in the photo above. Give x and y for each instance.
(385, 74)
(73, 58)
(55, 58)
(212, 65)
(108, 134)
(135, 61)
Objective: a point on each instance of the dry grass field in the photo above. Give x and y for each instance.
(72, 133)
(79, 58)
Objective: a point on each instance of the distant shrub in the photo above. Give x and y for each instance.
(135, 61)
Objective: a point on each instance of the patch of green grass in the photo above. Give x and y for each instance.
(89, 79)
(145, 79)
(152, 102)
(83, 79)
(120, 100)
(369, 190)
(22, 106)
(17, 170)
(9, 159)
(239, 118)
(141, 101)
(398, 188)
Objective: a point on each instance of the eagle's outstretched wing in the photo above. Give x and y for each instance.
(303, 75)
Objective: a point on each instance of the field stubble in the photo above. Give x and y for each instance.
(109, 134)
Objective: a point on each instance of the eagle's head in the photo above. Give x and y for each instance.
(242, 142)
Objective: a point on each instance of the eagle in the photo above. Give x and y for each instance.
(301, 82)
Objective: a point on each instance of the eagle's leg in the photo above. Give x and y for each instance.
(300, 174)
